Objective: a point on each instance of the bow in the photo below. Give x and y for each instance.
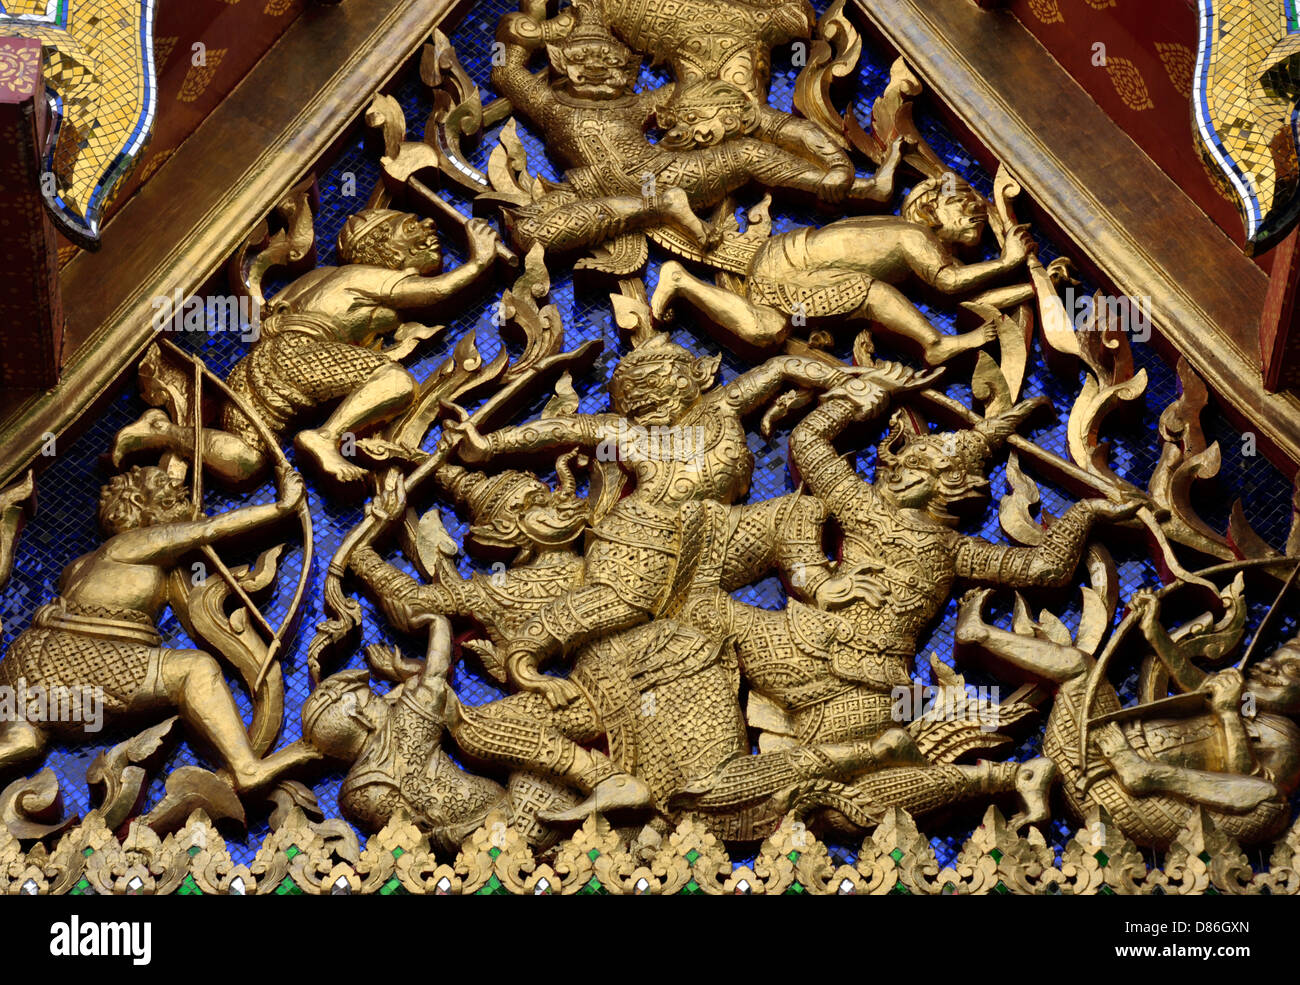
(1177, 702)
(518, 382)
(278, 633)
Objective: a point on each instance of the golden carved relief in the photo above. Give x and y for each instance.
(648, 715)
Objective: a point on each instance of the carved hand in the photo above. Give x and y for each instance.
(482, 241)
(390, 503)
(861, 581)
(1018, 246)
(1145, 606)
(1107, 509)
(1225, 689)
(471, 446)
(556, 690)
(292, 490)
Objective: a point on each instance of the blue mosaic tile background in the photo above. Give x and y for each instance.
(65, 526)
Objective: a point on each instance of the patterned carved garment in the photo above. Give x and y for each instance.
(292, 370)
(666, 696)
(403, 764)
(75, 646)
(783, 276)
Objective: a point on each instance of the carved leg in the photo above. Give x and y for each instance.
(888, 307)
(1042, 658)
(225, 455)
(921, 789)
(20, 741)
(387, 392)
(783, 533)
(773, 167)
(523, 730)
(747, 779)
(1230, 792)
(583, 614)
(192, 682)
(879, 187)
(1033, 782)
(752, 324)
(589, 222)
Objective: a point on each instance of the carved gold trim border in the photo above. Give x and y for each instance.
(300, 857)
(1098, 188)
(181, 226)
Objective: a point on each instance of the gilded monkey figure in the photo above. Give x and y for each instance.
(101, 632)
(851, 270)
(319, 341)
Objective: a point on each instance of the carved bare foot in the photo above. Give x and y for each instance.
(954, 345)
(1034, 781)
(144, 434)
(675, 207)
(971, 627)
(322, 448)
(670, 280)
(622, 791)
(261, 773)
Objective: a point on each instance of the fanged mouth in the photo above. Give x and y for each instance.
(647, 408)
(896, 487)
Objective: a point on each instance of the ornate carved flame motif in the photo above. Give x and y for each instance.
(634, 681)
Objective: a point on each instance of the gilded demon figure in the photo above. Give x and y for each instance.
(634, 564)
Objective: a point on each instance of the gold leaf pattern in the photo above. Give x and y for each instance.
(199, 77)
(18, 68)
(1047, 11)
(162, 50)
(1179, 63)
(1128, 82)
